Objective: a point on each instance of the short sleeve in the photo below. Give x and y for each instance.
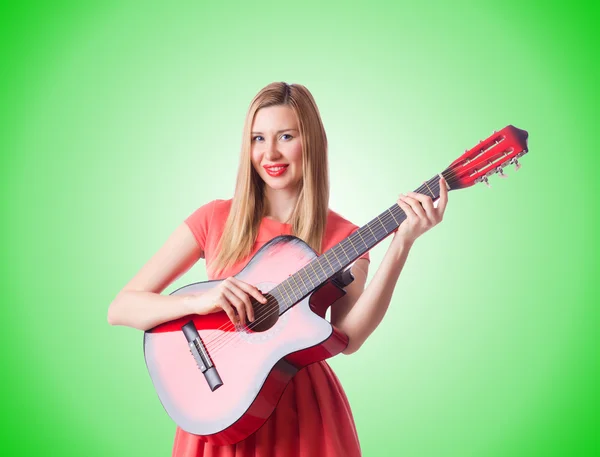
(199, 223)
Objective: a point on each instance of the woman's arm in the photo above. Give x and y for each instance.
(359, 312)
(139, 304)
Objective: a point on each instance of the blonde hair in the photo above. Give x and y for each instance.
(248, 207)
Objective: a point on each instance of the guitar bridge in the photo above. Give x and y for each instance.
(203, 360)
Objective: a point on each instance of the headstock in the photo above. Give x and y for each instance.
(490, 156)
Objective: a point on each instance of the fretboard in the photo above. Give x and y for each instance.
(331, 262)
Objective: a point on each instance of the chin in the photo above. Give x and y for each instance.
(278, 186)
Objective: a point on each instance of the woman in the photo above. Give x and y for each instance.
(282, 188)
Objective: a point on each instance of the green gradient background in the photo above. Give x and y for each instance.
(119, 119)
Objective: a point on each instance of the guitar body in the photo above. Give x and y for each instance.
(254, 366)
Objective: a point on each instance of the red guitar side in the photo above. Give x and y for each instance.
(223, 382)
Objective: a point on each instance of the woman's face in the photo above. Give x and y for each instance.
(275, 140)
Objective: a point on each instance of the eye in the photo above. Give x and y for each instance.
(257, 138)
(286, 134)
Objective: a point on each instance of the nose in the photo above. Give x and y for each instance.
(271, 150)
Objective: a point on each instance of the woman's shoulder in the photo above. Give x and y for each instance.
(222, 207)
(215, 206)
(206, 213)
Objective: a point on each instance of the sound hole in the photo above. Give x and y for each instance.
(265, 314)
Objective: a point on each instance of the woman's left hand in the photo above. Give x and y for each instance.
(421, 215)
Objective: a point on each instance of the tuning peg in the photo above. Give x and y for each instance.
(501, 173)
(516, 162)
(485, 180)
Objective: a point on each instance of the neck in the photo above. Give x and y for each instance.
(280, 203)
(337, 258)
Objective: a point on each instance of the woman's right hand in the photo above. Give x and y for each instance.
(231, 295)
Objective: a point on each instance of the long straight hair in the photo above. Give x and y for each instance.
(248, 207)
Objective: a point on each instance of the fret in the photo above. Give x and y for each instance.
(368, 225)
(286, 292)
(361, 238)
(313, 269)
(302, 279)
(432, 194)
(294, 279)
(308, 276)
(319, 263)
(384, 227)
(350, 240)
(297, 292)
(401, 214)
(325, 255)
(337, 258)
(340, 244)
(389, 209)
(274, 293)
(283, 290)
(375, 237)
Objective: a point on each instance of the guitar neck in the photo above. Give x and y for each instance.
(336, 259)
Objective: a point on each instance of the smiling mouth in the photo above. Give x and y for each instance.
(276, 171)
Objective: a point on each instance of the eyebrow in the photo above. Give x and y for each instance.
(278, 131)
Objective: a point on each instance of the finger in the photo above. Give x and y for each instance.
(416, 206)
(410, 214)
(245, 298)
(250, 289)
(427, 204)
(238, 304)
(443, 197)
(228, 310)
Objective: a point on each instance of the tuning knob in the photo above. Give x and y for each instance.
(516, 162)
(501, 173)
(485, 180)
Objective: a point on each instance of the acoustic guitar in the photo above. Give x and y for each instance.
(221, 381)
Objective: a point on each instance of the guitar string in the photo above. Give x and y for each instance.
(227, 335)
(228, 326)
(214, 344)
(221, 340)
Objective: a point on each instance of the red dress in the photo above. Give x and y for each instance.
(313, 417)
